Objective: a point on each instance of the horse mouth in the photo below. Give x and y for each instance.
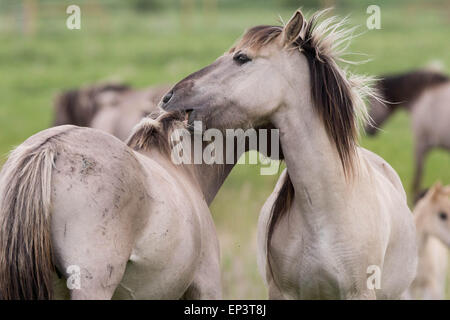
(187, 114)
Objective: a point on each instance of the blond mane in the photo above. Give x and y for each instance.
(155, 130)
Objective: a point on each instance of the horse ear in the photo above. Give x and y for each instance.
(435, 190)
(293, 28)
(446, 190)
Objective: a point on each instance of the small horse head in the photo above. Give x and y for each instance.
(434, 209)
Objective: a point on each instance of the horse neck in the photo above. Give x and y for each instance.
(312, 161)
(210, 177)
(206, 178)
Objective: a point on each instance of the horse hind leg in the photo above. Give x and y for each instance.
(90, 268)
(92, 283)
(92, 240)
(363, 295)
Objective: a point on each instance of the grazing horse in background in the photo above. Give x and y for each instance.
(423, 94)
(339, 210)
(114, 108)
(122, 111)
(430, 116)
(432, 215)
(79, 106)
(135, 224)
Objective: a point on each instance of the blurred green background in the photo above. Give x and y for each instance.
(150, 42)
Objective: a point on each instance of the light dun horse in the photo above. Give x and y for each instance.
(79, 106)
(426, 95)
(135, 224)
(338, 209)
(432, 215)
(113, 108)
(121, 112)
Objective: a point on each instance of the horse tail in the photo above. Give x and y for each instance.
(26, 262)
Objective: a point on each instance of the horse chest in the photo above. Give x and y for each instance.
(307, 267)
(316, 274)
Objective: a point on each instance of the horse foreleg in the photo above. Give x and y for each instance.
(420, 153)
(90, 278)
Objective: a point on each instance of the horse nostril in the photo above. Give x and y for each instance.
(167, 97)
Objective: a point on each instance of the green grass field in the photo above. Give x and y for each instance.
(163, 47)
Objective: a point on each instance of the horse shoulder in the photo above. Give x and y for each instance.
(385, 169)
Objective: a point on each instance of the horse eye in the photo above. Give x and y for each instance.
(241, 58)
(443, 216)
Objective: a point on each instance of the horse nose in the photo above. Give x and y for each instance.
(167, 97)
